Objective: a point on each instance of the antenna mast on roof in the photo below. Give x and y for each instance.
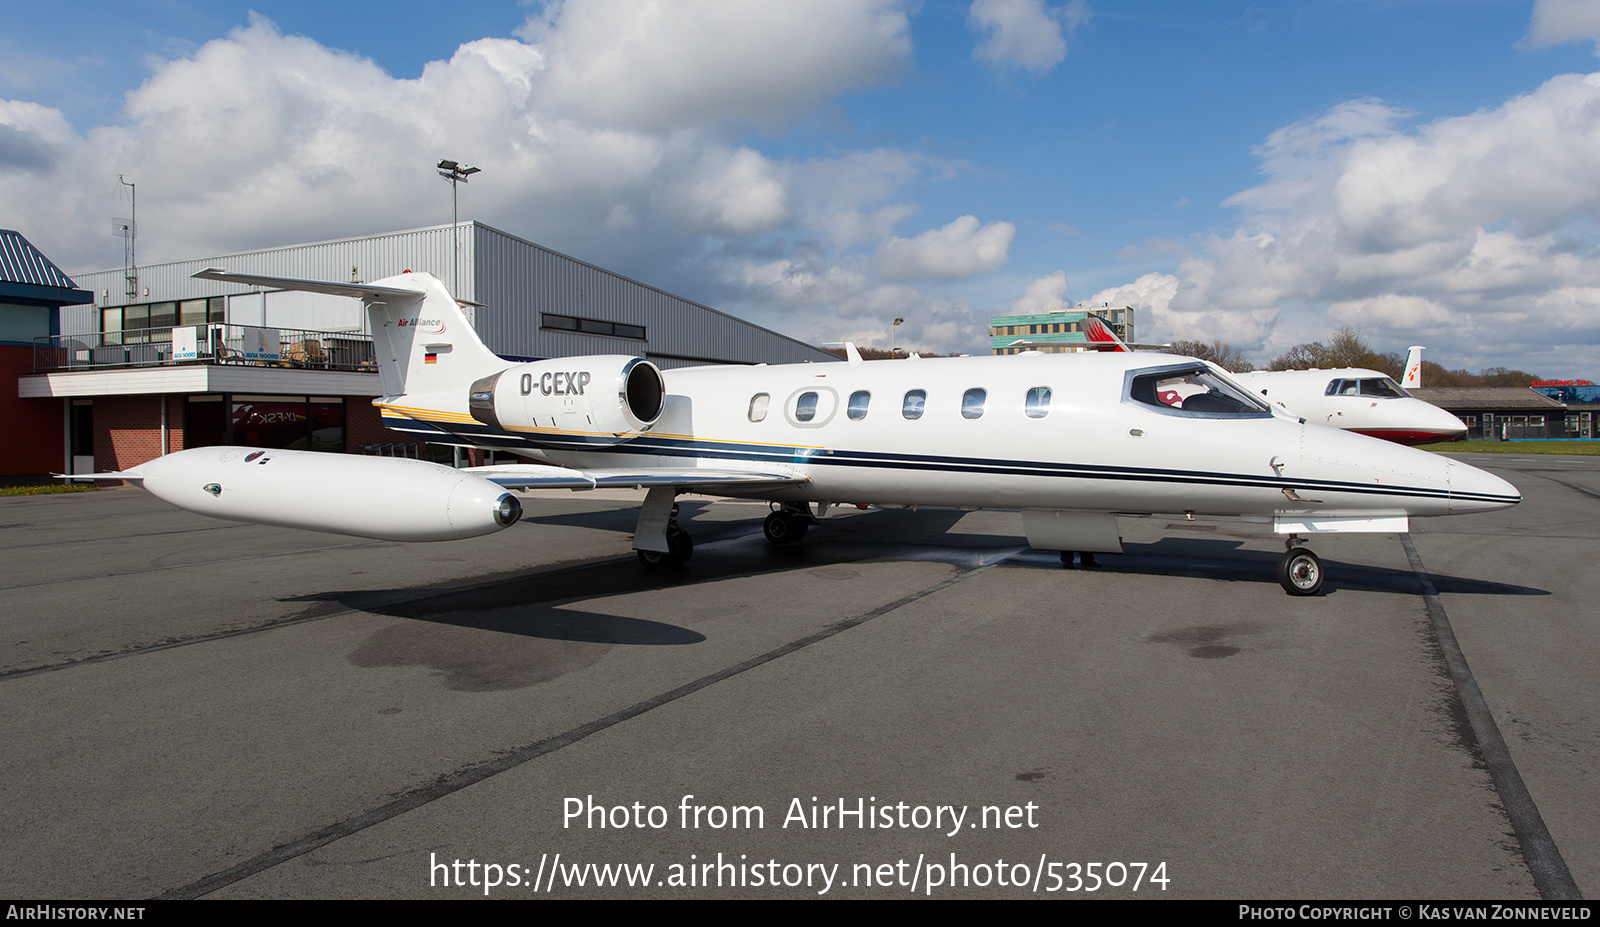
(127, 229)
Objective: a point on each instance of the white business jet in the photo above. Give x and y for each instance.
(1073, 442)
(1352, 398)
(1360, 400)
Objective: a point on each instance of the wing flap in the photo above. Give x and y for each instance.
(535, 476)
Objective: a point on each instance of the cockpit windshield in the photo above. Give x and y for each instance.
(1374, 387)
(1193, 390)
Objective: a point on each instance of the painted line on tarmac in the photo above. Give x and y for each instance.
(1539, 850)
(421, 797)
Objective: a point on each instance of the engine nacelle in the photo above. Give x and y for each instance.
(606, 398)
(392, 498)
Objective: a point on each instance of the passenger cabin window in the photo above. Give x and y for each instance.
(758, 406)
(805, 407)
(972, 403)
(1038, 405)
(911, 408)
(1196, 390)
(858, 405)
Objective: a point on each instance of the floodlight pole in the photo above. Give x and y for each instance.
(455, 172)
(892, 330)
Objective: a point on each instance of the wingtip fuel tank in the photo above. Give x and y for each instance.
(388, 498)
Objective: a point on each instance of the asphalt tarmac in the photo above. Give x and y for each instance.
(906, 704)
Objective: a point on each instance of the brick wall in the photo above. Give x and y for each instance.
(127, 429)
(34, 436)
(363, 425)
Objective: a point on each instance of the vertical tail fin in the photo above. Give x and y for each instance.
(1097, 332)
(422, 340)
(1413, 374)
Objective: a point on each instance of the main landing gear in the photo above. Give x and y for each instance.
(788, 524)
(680, 549)
(1300, 570)
(658, 522)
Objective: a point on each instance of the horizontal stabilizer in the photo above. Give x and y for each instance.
(352, 290)
(534, 476)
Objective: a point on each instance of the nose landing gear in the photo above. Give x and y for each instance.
(1300, 570)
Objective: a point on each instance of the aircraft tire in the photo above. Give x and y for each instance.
(1300, 572)
(682, 548)
(783, 528)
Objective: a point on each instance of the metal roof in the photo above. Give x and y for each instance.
(1485, 398)
(21, 262)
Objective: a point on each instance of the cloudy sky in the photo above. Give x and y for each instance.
(1425, 170)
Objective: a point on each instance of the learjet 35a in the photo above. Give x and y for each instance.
(1073, 442)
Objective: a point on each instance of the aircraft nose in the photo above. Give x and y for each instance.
(1434, 420)
(1473, 490)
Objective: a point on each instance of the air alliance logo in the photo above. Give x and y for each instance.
(428, 326)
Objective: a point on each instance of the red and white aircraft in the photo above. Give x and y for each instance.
(1073, 442)
(1352, 398)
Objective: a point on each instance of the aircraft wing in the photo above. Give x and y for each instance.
(687, 479)
(135, 475)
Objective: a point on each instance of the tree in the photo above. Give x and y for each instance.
(1218, 352)
(1346, 349)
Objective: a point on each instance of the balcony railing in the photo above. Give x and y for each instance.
(211, 343)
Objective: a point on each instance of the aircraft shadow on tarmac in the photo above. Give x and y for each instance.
(1227, 560)
(546, 604)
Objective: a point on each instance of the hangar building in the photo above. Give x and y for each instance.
(158, 361)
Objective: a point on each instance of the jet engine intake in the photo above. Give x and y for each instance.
(607, 398)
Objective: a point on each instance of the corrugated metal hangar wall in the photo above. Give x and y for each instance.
(534, 302)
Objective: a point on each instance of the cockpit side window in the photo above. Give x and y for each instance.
(1192, 391)
(1382, 388)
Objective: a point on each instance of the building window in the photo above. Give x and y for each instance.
(567, 323)
(313, 423)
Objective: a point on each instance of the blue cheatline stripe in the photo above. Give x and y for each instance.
(654, 446)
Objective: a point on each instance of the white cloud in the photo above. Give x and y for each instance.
(653, 66)
(1442, 232)
(603, 132)
(735, 191)
(962, 249)
(32, 138)
(1042, 295)
(1024, 34)
(1391, 311)
(1558, 21)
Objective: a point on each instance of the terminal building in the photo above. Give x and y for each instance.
(1056, 331)
(132, 363)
